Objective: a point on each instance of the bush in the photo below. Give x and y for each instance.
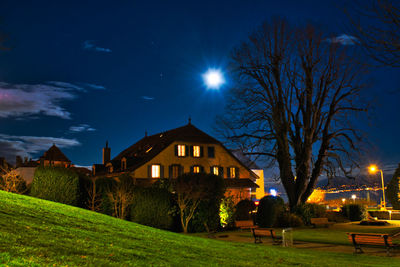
(307, 211)
(392, 191)
(286, 219)
(268, 211)
(227, 212)
(56, 184)
(153, 207)
(12, 182)
(354, 212)
(244, 210)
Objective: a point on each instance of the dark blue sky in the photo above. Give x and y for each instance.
(83, 72)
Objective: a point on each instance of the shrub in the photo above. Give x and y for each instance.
(307, 211)
(268, 211)
(227, 212)
(286, 219)
(354, 212)
(244, 210)
(153, 207)
(56, 184)
(392, 191)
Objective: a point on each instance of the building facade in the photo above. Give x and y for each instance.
(182, 150)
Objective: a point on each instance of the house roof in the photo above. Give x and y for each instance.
(54, 154)
(150, 146)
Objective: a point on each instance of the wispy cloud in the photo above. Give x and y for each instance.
(81, 128)
(30, 146)
(27, 100)
(90, 45)
(95, 86)
(343, 39)
(148, 97)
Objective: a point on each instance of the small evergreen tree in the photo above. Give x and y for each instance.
(393, 189)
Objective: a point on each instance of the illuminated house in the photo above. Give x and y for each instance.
(174, 152)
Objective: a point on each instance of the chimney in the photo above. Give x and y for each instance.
(18, 161)
(106, 153)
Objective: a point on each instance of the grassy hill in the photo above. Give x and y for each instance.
(35, 232)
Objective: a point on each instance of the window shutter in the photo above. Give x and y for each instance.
(211, 170)
(237, 173)
(191, 169)
(180, 170)
(228, 173)
(161, 171)
(149, 171)
(201, 151)
(201, 169)
(176, 150)
(187, 151)
(191, 151)
(221, 171)
(170, 171)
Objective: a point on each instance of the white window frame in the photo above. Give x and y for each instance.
(215, 170)
(181, 151)
(196, 151)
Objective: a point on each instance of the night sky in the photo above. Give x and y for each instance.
(82, 72)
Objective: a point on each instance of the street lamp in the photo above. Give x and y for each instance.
(354, 198)
(374, 169)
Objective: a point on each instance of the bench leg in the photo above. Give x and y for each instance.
(358, 250)
(257, 239)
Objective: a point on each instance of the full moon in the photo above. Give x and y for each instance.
(213, 78)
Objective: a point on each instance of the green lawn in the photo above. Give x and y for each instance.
(34, 232)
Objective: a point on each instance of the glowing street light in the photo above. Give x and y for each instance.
(374, 169)
(273, 192)
(354, 198)
(343, 200)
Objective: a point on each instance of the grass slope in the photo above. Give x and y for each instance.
(35, 232)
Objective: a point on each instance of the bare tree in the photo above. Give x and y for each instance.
(94, 196)
(377, 27)
(294, 96)
(11, 181)
(121, 196)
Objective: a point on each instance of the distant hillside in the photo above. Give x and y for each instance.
(359, 180)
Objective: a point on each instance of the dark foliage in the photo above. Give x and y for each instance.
(354, 212)
(393, 189)
(56, 184)
(287, 219)
(268, 211)
(154, 207)
(307, 211)
(244, 210)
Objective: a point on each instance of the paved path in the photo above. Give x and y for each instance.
(244, 237)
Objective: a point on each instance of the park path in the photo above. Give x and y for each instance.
(242, 237)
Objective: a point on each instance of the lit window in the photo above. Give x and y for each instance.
(181, 150)
(155, 171)
(196, 169)
(196, 151)
(215, 170)
(232, 172)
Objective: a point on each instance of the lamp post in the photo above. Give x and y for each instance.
(374, 169)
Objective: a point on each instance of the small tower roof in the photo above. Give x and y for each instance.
(54, 154)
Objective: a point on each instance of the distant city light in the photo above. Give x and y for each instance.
(213, 78)
(257, 202)
(353, 197)
(343, 200)
(273, 192)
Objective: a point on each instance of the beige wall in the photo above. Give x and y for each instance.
(260, 192)
(167, 157)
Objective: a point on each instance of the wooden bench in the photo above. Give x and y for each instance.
(372, 240)
(258, 233)
(248, 224)
(320, 221)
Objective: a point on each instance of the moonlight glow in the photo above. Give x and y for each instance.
(213, 79)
